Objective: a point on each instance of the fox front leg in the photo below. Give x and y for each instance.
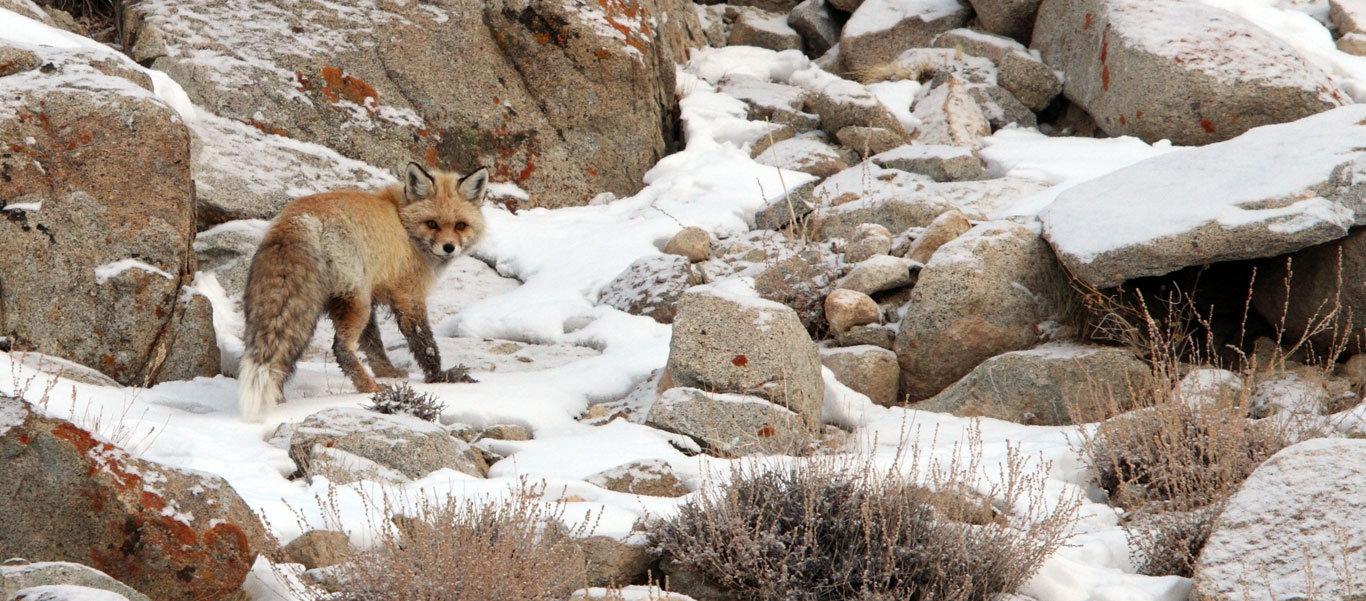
(412, 322)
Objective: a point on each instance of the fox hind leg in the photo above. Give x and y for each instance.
(349, 318)
(373, 346)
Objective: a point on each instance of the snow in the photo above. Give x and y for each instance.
(1265, 176)
(67, 592)
(534, 283)
(874, 16)
(108, 271)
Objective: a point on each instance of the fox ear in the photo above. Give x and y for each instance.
(417, 183)
(473, 186)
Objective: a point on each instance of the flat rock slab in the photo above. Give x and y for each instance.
(1183, 71)
(1293, 531)
(1273, 190)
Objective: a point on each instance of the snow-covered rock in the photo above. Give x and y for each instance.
(880, 30)
(770, 101)
(1293, 530)
(731, 425)
(171, 534)
(808, 153)
(818, 23)
(1020, 71)
(867, 241)
(14, 578)
(942, 163)
(949, 115)
(651, 286)
(96, 218)
(868, 140)
(386, 83)
(66, 592)
(755, 27)
(347, 444)
(1273, 190)
(841, 102)
(651, 477)
(939, 232)
(983, 294)
(726, 342)
(1051, 385)
(1182, 71)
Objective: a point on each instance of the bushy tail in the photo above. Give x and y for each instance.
(258, 389)
(286, 293)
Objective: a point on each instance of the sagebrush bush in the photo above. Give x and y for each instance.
(401, 398)
(817, 531)
(463, 550)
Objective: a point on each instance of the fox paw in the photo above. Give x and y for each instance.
(457, 374)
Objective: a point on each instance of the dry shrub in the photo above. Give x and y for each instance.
(400, 398)
(831, 530)
(1174, 455)
(463, 550)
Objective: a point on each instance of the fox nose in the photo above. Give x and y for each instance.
(448, 247)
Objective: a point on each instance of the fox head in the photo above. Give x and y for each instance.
(441, 210)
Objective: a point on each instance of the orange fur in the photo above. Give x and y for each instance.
(342, 253)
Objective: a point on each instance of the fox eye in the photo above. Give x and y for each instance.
(433, 225)
(460, 226)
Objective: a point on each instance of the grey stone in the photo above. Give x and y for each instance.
(787, 209)
(1011, 18)
(764, 29)
(731, 425)
(818, 23)
(775, 6)
(769, 101)
(1023, 74)
(880, 30)
(800, 282)
(807, 153)
(1348, 16)
(517, 97)
(319, 549)
(983, 294)
(692, 243)
(879, 273)
(868, 140)
(939, 232)
(1169, 69)
(226, 251)
(404, 444)
(841, 103)
(1209, 213)
(1052, 385)
(613, 562)
(16, 578)
(1353, 43)
(170, 534)
(651, 477)
(1292, 531)
(942, 163)
(898, 200)
(872, 335)
(1001, 108)
(728, 343)
(95, 254)
(870, 370)
(846, 308)
(949, 115)
(28, 9)
(847, 6)
(66, 592)
(506, 432)
(651, 286)
(867, 241)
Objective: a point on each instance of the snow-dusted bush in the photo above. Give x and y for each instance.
(818, 530)
(401, 398)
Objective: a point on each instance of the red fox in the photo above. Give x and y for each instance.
(344, 252)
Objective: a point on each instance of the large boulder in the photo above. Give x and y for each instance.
(347, 444)
(565, 100)
(96, 222)
(983, 294)
(870, 370)
(1326, 293)
(651, 286)
(1270, 191)
(1170, 69)
(818, 23)
(170, 534)
(731, 425)
(14, 578)
(726, 342)
(1293, 530)
(1052, 385)
(1011, 18)
(880, 30)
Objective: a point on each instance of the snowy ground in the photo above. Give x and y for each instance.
(535, 283)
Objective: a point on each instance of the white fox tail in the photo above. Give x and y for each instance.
(258, 389)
